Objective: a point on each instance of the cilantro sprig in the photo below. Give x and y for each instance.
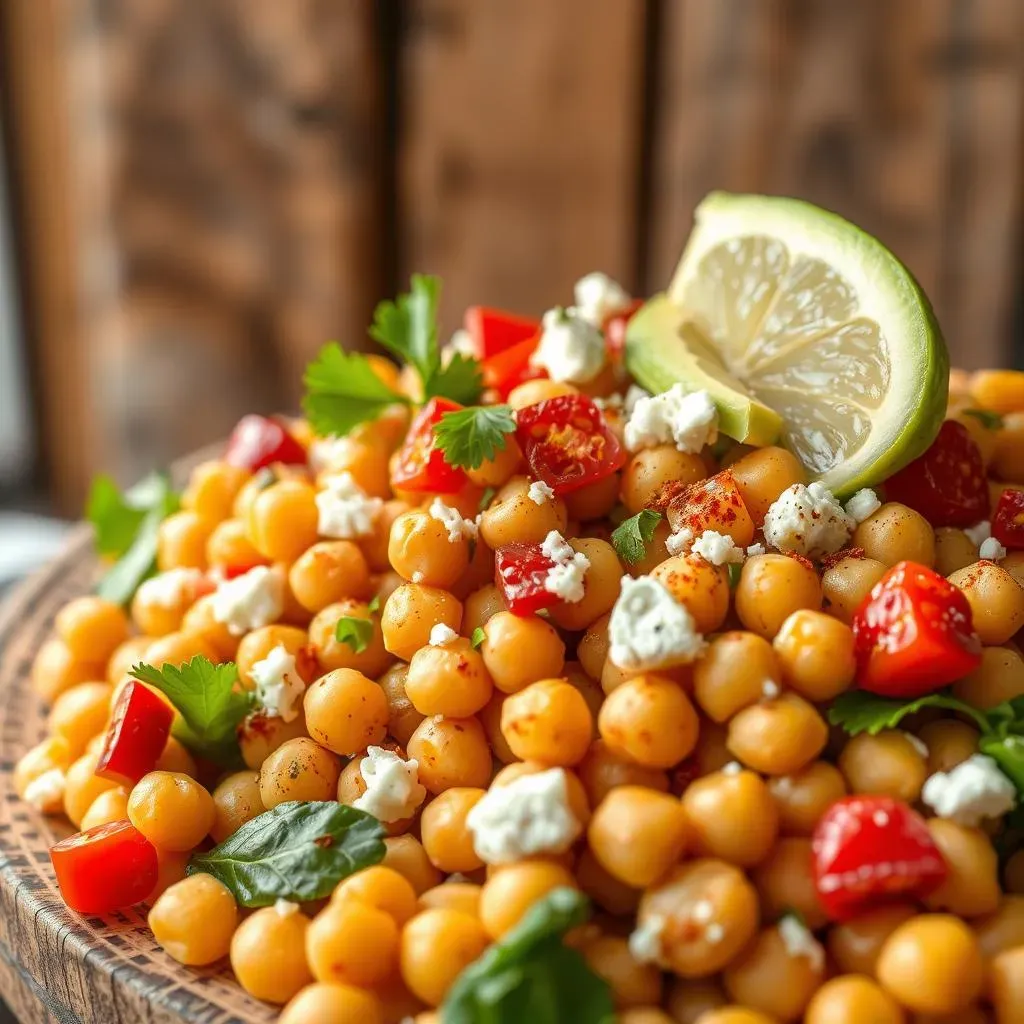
(470, 436)
(631, 537)
(356, 630)
(477, 638)
(988, 419)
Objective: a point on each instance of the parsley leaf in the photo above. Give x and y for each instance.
(858, 711)
(735, 571)
(210, 704)
(486, 498)
(357, 633)
(631, 536)
(342, 391)
(988, 419)
(478, 637)
(408, 326)
(374, 606)
(461, 379)
(469, 436)
(298, 851)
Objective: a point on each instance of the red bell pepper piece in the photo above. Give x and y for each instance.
(420, 466)
(510, 368)
(259, 441)
(913, 634)
(1008, 519)
(137, 735)
(870, 850)
(519, 573)
(109, 867)
(494, 330)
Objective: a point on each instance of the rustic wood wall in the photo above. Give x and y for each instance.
(208, 189)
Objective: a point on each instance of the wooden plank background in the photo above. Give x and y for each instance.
(207, 190)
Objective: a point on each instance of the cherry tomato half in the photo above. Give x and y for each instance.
(520, 571)
(493, 330)
(1008, 519)
(137, 735)
(913, 634)
(258, 441)
(420, 466)
(947, 484)
(107, 868)
(872, 849)
(567, 443)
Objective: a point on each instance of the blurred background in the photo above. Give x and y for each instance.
(196, 194)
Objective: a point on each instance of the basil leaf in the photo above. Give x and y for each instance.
(297, 851)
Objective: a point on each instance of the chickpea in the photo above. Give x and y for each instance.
(212, 488)
(953, 550)
(548, 721)
(733, 672)
(637, 834)
(125, 656)
(601, 585)
(771, 588)
(380, 887)
(176, 758)
(592, 501)
(268, 954)
(451, 752)
(181, 541)
(236, 800)
(171, 867)
(411, 612)
(846, 583)
(949, 741)
(445, 835)
(632, 983)
(650, 720)
(534, 391)
(365, 458)
(518, 651)
(702, 589)
(711, 913)
(375, 546)
(604, 888)
(896, 533)
(342, 655)
(80, 713)
(689, 998)
(256, 645)
(406, 855)
(604, 768)
(282, 521)
(328, 572)
(971, 887)
(172, 811)
(52, 753)
(82, 786)
(1002, 391)
(804, 797)
(1013, 563)
(299, 770)
(194, 919)
(514, 518)
(999, 677)
(644, 1015)
(785, 882)
(851, 999)
(816, 654)
(92, 628)
(436, 946)
(402, 716)
(55, 669)
(732, 817)
(855, 944)
(712, 752)
(495, 472)
(996, 600)
(448, 680)
(1001, 930)
(229, 547)
(481, 606)
(110, 805)
(352, 943)
(1013, 873)
(177, 648)
(1007, 985)
(461, 896)
(887, 764)
(735, 1015)
(479, 573)
(328, 1003)
(651, 468)
(762, 475)
(420, 548)
(592, 691)
(778, 737)
(261, 734)
(513, 889)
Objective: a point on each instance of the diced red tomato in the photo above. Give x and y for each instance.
(1008, 519)
(259, 441)
(494, 330)
(519, 573)
(913, 634)
(137, 735)
(510, 368)
(870, 850)
(567, 443)
(947, 484)
(420, 466)
(107, 868)
(615, 326)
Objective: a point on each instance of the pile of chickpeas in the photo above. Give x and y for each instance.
(696, 786)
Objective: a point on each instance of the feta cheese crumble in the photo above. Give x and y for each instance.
(680, 541)
(250, 601)
(717, 548)
(917, 743)
(732, 768)
(46, 792)
(279, 687)
(393, 789)
(689, 420)
(650, 629)
(755, 549)
(991, 549)
(770, 689)
(172, 588)
(807, 520)
(645, 940)
(633, 395)
(285, 908)
(540, 492)
(571, 348)
(567, 576)
(345, 510)
(441, 635)
(972, 791)
(530, 815)
(597, 295)
(863, 505)
(461, 342)
(452, 520)
(800, 942)
(979, 532)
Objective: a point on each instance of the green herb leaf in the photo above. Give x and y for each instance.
(486, 498)
(342, 391)
(408, 326)
(114, 520)
(469, 436)
(357, 633)
(374, 606)
(858, 711)
(210, 704)
(297, 851)
(461, 379)
(478, 637)
(988, 419)
(632, 536)
(1008, 752)
(735, 571)
(529, 975)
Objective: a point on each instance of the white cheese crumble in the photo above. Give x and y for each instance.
(326, 452)
(680, 541)
(807, 520)
(571, 348)
(285, 908)
(645, 940)
(650, 629)
(171, 589)
(979, 532)
(418, 576)
(597, 295)
(250, 601)
(717, 548)
(991, 549)
(770, 689)
(279, 686)
(917, 743)
(345, 510)
(972, 791)
(540, 492)
(461, 342)
(566, 578)
(863, 505)
(530, 815)
(732, 768)
(441, 635)
(452, 520)
(755, 549)
(393, 789)
(800, 942)
(633, 395)
(689, 420)
(46, 792)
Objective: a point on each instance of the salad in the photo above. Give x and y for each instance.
(653, 661)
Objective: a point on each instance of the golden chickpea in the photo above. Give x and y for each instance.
(896, 533)
(735, 1015)
(702, 589)
(548, 721)
(212, 489)
(375, 546)
(461, 896)
(651, 468)
(261, 734)
(999, 677)
(996, 600)
(985, 437)
(125, 656)
(762, 475)
(855, 944)
(778, 737)
(411, 612)
(421, 549)
(604, 888)
(91, 627)
(282, 520)
(229, 547)
(346, 712)
(110, 805)
(713, 504)
(481, 606)
(436, 946)
(846, 583)
(949, 741)
(55, 669)
(1013, 563)
(380, 887)
(592, 501)
(1007, 463)
(171, 867)
(604, 768)
(299, 770)
(852, 999)
(632, 983)
(236, 800)
(406, 856)
(256, 645)
(513, 889)
(816, 654)
(1013, 873)
(177, 648)
(366, 458)
(444, 833)
(637, 834)
(711, 913)
(1007, 985)
(733, 672)
(785, 882)
(402, 716)
(80, 713)
(534, 391)
(518, 650)
(971, 887)
(650, 720)
(1002, 391)
(496, 471)
(802, 798)
(181, 541)
(345, 655)
(172, 811)
(176, 758)
(1001, 930)
(53, 753)
(513, 517)
(644, 1015)
(888, 764)
(329, 1003)
(328, 572)
(451, 752)
(449, 680)
(689, 998)
(268, 954)
(771, 588)
(194, 919)
(732, 816)
(953, 550)
(352, 943)
(601, 586)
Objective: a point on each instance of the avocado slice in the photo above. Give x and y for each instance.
(664, 347)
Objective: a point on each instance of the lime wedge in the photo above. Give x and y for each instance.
(795, 311)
